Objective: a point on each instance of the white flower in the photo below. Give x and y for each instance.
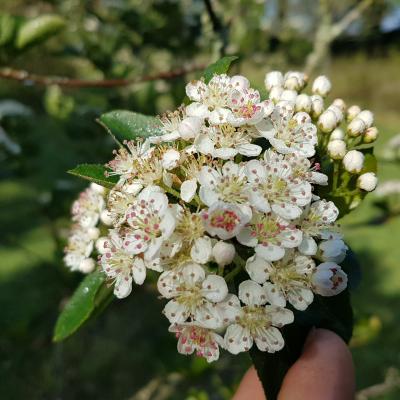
(150, 222)
(194, 338)
(322, 86)
(289, 279)
(170, 159)
(170, 123)
(353, 161)
(190, 127)
(371, 135)
(118, 203)
(123, 267)
(318, 222)
(367, 181)
(255, 321)
(333, 250)
(273, 79)
(273, 188)
(87, 208)
(78, 249)
(225, 220)
(337, 149)
(87, 266)
(329, 279)
(225, 142)
(223, 253)
(228, 184)
(288, 134)
(270, 235)
(193, 295)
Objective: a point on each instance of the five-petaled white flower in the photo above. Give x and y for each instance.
(193, 295)
(289, 132)
(274, 188)
(270, 235)
(193, 337)
(255, 321)
(289, 279)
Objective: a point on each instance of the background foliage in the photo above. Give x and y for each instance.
(46, 130)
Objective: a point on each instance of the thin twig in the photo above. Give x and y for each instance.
(217, 25)
(391, 382)
(43, 80)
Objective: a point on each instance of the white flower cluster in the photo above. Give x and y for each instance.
(227, 188)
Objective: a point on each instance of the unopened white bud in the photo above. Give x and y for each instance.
(367, 181)
(317, 106)
(337, 134)
(170, 159)
(101, 244)
(333, 250)
(340, 104)
(275, 93)
(322, 86)
(352, 112)
(371, 135)
(273, 79)
(289, 95)
(302, 118)
(223, 253)
(353, 161)
(87, 265)
(190, 127)
(106, 218)
(301, 79)
(93, 233)
(337, 111)
(367, 117)
(356, 127)
(337, 149)
(327, 121)
(97, 188)
(303, 103)
(292, 83)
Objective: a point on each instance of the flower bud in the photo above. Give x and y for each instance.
(352, 112)
(223, 253)
(338, 113)
(337, 134)
(367, 181)
(371, 134)
(100, 244)
(97, 188)
(327, 121)
(295, 80)
(303, 103)
(329, 279)
(289, 95)
(356, 127)
(367, 117)
(87, 265)
(302, 118)
(340, 104)
(275, 93)
(322, 86)
(106, 218)
(353, 161)
(292, 83)
(333, 250)
(273, 79)
(337, 149)
(190, 127)
(317, 105)
(93, 233)
(170, 159)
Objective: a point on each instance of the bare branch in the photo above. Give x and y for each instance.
(43, 80)
(391, 382)
(217, 25)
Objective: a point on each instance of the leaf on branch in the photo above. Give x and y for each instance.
(219, 67)
(94, 173)
(7, 28)
(91, 295)
(129, 125)
(38, 30)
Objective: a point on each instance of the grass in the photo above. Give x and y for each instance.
(128, 348)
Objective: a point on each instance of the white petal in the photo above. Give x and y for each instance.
(300, 297)
(176, 312)
(287, 210)
(188, 190)
(197, 110)
(258, 269)
(279, 316)
(167, 224)
(123, 286)
(230, 308)
(201, 251)
(193, 273)
(270, 252)
(270, 340)
(237, 339)
(245, 238)
(225, 153)
(138, 271)
(208, 316)
(153, 249)
(219, 116)
(251, 293)
(208, 196)
(167, 284)
(204, 144)
(275, 296)
(308, 246)
(196, 90)
(214, 288)
(249, 150)
(258, 201)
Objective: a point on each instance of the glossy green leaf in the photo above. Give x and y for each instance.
(128, 125)
(7, 28)
(38, 30)
(80, 307)
(370, 163)
(219, 67)
(94, 173)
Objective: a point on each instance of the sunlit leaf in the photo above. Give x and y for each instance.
(219, 67)
(94, 173)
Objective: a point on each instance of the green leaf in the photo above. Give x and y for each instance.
(82, 304)
(7, 28)
(94, 173)
(370, 163)
(219, 67)
(38, 30)
(128, 125)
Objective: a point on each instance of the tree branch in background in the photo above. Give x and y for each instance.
(391, 382)
(43, 80)
(217, 25)
(327, 31)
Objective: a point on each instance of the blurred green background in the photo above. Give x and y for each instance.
(127, 352)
